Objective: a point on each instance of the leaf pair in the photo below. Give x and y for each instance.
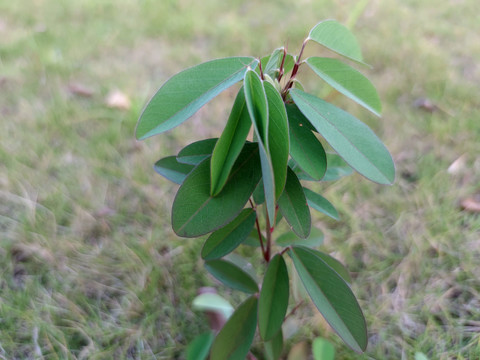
(269, 118)
(235, 338)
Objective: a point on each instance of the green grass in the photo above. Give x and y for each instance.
(89, 266)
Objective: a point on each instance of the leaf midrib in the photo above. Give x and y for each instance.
(348, 140)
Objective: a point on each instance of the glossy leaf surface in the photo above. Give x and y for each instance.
(230, 143)
(199, 348)
(319, 203)
(195, 212)
(234, 340)
(194, 153)
(273, 301)
(231, 275)
(305, 148)
(226, 239)
(274, 347)
(186, 92)
(257, 105)
(338, 38)
(278, 138)
(347, 81)
(332, 296)
(349, 137)
(171, 169)
(334, 264)
(293, 206)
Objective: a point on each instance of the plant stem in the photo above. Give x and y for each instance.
(260, 237)
(280, 72)
(295, 70)
(260, 68)
(269, 240)
(294, 310)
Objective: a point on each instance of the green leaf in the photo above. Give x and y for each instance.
(243, 264)
(231, 275)
(334, 264)
(293, 206)
(323, 349)
(420, 356)
(278, 139)
(332, 296)
(234, 340)
(171, 169)
(212, 302)
(196, 152)
(349, 137)
(347, 81)
(226, 239)
(259, 194)
(252, 239)
(301, 175)
(186, 92)
(305, 148)
(336, 168)
(271, 63)
(273, 301)
(229, 144)
(290, 238)
(258, 109)
(319, 203)
(274, 347)
(199, 348)
(338, 38)
(195, 212)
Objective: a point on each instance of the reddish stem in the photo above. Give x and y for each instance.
(269, 238)
(295, 70)
(280, 73)
(257, 225)
(294, 310)
(260, 68)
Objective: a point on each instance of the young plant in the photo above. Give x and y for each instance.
(235, 187)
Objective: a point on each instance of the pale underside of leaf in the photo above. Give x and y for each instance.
(338, 38)
(347, 81)
(354, 141)
(186, 92)
(332, 296)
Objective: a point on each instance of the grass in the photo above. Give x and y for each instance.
(89, 265)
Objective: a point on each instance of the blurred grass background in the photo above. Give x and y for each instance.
(89, 266)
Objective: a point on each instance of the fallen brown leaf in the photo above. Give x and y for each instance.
(458, 165)
(80, 89)
(471, 204)
(425, 104)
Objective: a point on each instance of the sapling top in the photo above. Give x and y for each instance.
(235, 188)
